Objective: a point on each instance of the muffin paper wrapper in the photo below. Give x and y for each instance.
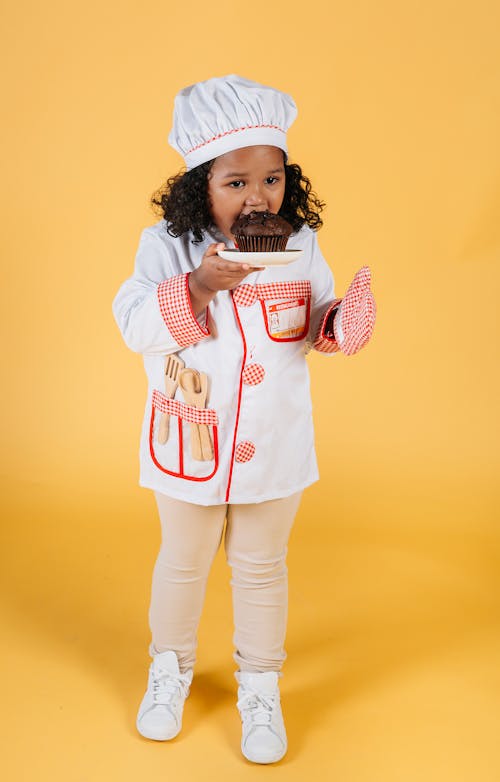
(256, 244)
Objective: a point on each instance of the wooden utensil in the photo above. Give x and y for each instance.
(194, 386)
(173, 367)
(189, 381)
(207, 450)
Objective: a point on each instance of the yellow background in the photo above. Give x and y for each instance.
(393, 634)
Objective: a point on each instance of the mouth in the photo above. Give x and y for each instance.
(251, 209)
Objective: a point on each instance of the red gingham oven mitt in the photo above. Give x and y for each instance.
(355, 319)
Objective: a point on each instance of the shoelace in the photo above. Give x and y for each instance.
(257, 707)
(167, 686)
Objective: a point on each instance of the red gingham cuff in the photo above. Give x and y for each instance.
(176, 310)
(325, 340)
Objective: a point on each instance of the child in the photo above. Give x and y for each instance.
(227, 439)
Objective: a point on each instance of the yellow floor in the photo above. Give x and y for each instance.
(392, 670)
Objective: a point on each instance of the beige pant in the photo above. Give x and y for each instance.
(255, 539)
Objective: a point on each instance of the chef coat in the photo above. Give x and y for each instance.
(251, 342)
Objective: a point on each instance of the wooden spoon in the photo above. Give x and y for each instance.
(194, 386)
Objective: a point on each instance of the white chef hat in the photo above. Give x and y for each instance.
(222, 114)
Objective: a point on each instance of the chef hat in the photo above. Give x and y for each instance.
(222, 114)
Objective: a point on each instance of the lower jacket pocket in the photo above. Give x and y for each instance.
(192, 448)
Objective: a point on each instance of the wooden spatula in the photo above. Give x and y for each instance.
(207, 450)
(189, 381)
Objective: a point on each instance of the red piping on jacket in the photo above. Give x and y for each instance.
(181, 446)
(239, 397)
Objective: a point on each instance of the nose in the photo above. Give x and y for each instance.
(256, 199)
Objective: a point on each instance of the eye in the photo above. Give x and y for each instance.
(271, 180)
(236, 184)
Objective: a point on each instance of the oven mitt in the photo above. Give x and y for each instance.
(355, 319)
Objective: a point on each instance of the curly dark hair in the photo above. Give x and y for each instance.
(183, 201)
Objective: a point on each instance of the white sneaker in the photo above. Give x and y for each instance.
(263, 731)
(160, 713)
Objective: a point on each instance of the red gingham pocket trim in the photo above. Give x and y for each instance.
(245, 295)
(176, 310)
(283, 290)
(188, 413)
(244, 451)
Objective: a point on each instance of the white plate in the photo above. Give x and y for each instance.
(261, 259)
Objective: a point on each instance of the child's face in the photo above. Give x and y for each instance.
(244, 180)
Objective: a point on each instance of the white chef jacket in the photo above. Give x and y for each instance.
(251, 343)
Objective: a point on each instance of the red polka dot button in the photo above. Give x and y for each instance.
(244, 451)
(253, 374)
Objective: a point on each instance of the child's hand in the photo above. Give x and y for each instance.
(214, 274)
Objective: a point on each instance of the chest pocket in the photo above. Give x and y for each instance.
(286, 308)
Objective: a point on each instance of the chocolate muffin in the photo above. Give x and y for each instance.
(261, 232)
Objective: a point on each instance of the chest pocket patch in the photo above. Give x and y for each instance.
(287, 314)
(286, 320)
